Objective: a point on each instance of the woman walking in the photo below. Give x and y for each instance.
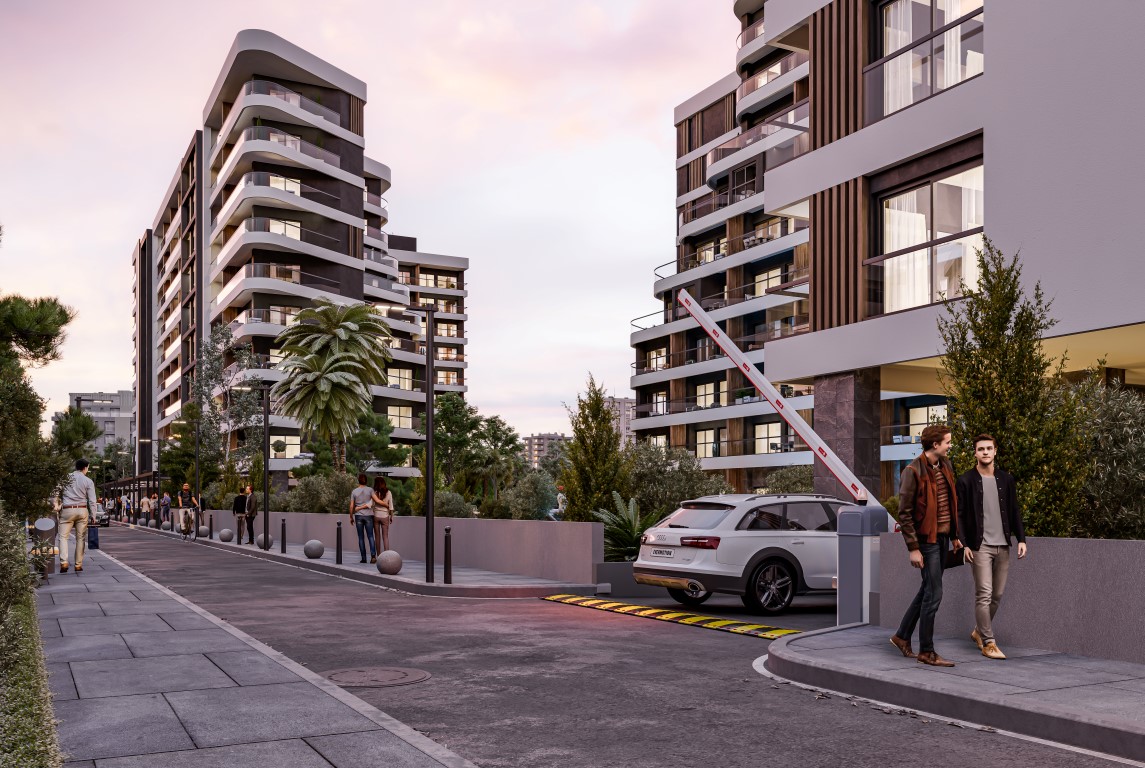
(383, 513)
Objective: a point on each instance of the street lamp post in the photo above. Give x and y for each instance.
(266, 465)
(430, 331)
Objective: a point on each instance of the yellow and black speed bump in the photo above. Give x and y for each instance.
(677, 617)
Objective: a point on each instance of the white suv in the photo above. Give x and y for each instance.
(766, 549)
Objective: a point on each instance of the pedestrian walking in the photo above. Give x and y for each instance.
(127, 506)
(109, 505)
(251, 513)
(77, 503)
(988, 517)
(383, 513)
(145, 508)
(238, 507)
(362, 513)
(165, 507)
(928, 516)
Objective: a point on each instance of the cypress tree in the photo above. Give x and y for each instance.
(594, 466)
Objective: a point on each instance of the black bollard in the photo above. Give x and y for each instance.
(282, 539)
(211, 528)
(338, 545)
(448, 555)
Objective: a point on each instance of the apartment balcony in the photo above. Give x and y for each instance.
(764, 241)
(705, 409)
(378, 261)
(385, 290)
(376, 205)
(782, 321)
(780, 139)
(751, 45)
(262, 322)
(271, 101)
(441, 286)
(276, 279)
(262, 189)
(273, 145)
(714, 209)
(278, 235)
(770, 84)
(376, 238)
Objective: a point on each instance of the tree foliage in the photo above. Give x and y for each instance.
(595, 468)
(532, 497)
(73, 431)
(999, 380)
(1114, 488)
(623, 528)
(661, 478)
(793, 479)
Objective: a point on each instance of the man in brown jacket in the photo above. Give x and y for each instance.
(928, 515)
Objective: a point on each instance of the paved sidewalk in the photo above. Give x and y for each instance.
(467, 582)
(143, 678)
(1085, 702)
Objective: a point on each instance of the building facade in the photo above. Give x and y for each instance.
(274, 205)
(113, 412)
(832, 192)
(537, 447)
(623, 409)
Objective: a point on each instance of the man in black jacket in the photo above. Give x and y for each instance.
(239, 510)
(988, 517)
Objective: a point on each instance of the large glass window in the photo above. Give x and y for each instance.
(401, 416)
(769, 437)
(928, 237)
(707, 443)
(924, 46)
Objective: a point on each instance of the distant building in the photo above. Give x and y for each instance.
(622, 409)
(538, 446)
(113, 412)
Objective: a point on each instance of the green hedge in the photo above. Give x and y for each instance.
(28, 736)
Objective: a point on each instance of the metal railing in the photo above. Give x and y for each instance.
(283, 183)
(270, 316)
(278, 136)
(376, 200)
(762, 233)
(797, 120)
(749, 34)
(270, 88)
(292, 229)
(696, 209)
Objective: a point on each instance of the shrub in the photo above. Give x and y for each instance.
(495, 509)
(450, 504)
(532, 496)
(661, 478)
(309, 495)
(797, 479)
(623, 529)
(1114, 491)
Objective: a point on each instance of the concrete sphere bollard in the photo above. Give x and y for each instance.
(152, 523)
(389, 563)
(204, 531)
(313, 549)
(166, 525)
(139, 521)
(226, 535)
(260, 545)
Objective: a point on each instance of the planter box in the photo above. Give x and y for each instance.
(619, 575)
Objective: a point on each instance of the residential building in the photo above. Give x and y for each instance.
(274, 205)
(623, 409)
(832, 192)
(537, 447)
(113, 412)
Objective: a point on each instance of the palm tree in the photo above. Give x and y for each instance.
(357, 330)
(326, 393)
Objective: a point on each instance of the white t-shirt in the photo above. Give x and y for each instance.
(384, 510)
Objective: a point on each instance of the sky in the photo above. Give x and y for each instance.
(534, 137)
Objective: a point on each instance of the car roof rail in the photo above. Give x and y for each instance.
(786, 495)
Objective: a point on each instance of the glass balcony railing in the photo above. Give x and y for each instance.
(923, 276)
(385, 285)
(284, 183)
(292, 229)
(697, 209)
(285, 272)
(378, 234)
(289, 140)
(797, 123)
(749, 34)
(772, 72)
(271, 316)
(951, 55)
(376, 200)
(269, 88)
(762, 233)
(436, 281)
(378, 257)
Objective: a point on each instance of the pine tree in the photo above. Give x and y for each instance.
(998, 380)
(595, 466)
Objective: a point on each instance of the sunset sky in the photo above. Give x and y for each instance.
(533, 137)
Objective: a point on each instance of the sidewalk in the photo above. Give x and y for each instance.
(1084, 702)
(142, 678)
(467, 582)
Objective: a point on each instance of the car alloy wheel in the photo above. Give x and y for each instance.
(689, 596)
(773, 587)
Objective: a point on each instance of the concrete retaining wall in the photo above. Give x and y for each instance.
(619, 576)
(549, 550)
(1081, 596)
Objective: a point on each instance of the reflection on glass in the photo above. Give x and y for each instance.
(955, 265)
(906, 219)
(958, 203)
(946, 11)
(959, 54)
(906, 281)
(904, 21)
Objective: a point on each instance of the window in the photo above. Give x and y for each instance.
(769, 518)
(697, 514)
(658, 359)
(659, 403)
(449, 378)
(710, 395)
(928, 236)
(706, 446)
(401, 378)
(769, 437)
(808, 516)
(922, 416)
(768, 279)
(293, 186)
(660, 441)
(446, 329)
(921, 50)
(401, 416)
(710, 251)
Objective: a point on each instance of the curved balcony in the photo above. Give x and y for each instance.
(262, 322)
(750, 45)
(260, 143)
(750, 34)
(380, 239)
(270, 100)
(769, 85)
(385, 290)
(280, 279)
(260, 187)
(379, 261)
(278, 235)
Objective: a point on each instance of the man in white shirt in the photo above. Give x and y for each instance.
(77, 503)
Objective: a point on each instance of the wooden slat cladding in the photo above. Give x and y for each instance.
(839, 34)
(708, 124)
(839, 243)
(357, 116)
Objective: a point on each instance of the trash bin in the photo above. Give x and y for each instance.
(44, 540)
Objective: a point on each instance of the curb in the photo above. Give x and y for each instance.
(381, 580)
(418, 741)
(1035, 720)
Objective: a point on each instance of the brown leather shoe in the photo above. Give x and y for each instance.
(903, 646)
(934, 660)
(991, 651)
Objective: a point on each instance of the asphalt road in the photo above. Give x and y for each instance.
(534, 683)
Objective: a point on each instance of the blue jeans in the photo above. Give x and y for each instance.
(924, 607)
(365, 528)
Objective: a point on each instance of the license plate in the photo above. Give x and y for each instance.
(662, 553)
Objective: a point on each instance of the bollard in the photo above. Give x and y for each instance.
(211, 526)
(338, 545)
(282, 538)
(858, 571)
(448, 555)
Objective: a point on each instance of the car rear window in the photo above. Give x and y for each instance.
(701, 515)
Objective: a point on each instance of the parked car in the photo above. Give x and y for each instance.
(101, 516)
(764, 548)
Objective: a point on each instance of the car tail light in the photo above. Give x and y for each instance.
(700, 542)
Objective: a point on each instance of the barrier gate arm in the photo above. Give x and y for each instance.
(833, 463)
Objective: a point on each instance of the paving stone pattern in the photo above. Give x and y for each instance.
(139, 679)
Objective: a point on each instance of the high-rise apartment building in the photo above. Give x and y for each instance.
(275, 204)
(112, 412)
(623, 409)
(537, 447)
(831, 193)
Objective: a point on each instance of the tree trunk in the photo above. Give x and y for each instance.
(334, 453)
